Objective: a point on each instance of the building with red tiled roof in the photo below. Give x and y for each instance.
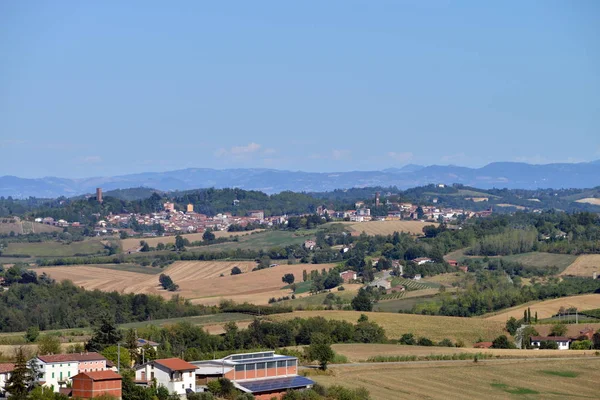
(5, 370)
(175, 374)
(483, 345)
(57, 369)
(87, 385)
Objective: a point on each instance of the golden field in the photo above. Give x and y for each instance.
(548, 308)
(489, 379)
(433, 327)
(389, 227)
(590, 200)
(199, 281)
(584, 265)
(362, 352)
(134, 243)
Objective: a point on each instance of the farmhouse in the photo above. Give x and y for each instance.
(266, 375)
(422, 260)
(452, 263)
(310, 244)
(348, 276)
(57, 369)
(87, 385)
(5, 370)
(561, 341)
(140, 343)
(173, 373)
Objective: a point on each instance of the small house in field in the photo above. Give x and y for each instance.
(310, 244)
(562, 341)
(483, 345)
(87, 385)
(175, 374)
(422, 260)
(452, 263)
(395, 289)
(348, 276)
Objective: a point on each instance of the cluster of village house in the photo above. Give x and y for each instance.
(88, 375)
(174, 221)
(562, 342)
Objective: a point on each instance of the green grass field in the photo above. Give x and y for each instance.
(55, 249)
(536, 259)
(401, 304)
(261, 240)
(317, 299)
(410, 284)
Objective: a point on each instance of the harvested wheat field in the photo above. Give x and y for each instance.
(584, 265)
(548, 308)
(362, 352)
(573, 330)
(389, 227)
(489, 379)
(590, 200)
(199, 281)
(436, 328)
(133, 243)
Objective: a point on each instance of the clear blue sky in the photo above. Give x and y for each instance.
(115, 87)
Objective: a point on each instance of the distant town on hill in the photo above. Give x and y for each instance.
(509, 175)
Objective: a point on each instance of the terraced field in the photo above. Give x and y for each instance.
(491, 379)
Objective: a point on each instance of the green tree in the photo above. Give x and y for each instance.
(362, 301)
(558, 330)
(408, 339)
(288, 278)
(18, 383)
(536, 318)
(236, 270)
(111, 353)
(48, 344)
(304, 276)
(131, 344)
(145, 246)
(320, 350)
(501, 342)
(104, 335)
(179, 243)
(208, 235)
(32, 334)
(512, 325)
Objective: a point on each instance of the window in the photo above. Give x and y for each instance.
(260, 365)
(190, 374)
(53, 375)
(183, 385)
(250, 367)
(239, 368)
(69, 373)
(281, 364)
(151, 375)
(291, 363)
(271, 364)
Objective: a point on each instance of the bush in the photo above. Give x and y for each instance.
(446, 343)
(502, 342)
(581, 345)
(425, 342)
(408, 339)
(236, 270)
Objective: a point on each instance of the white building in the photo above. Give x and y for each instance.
(561, 341)
(5, 370)
(56, 369)
(173, 373)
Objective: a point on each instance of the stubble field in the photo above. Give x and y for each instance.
(132, 243)
(584, 265)
(548, 308)
(490, 379)
(590, 200)
(199, 281)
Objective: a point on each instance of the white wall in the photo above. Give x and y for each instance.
(51, 372)
(3, 379)
(181, 380)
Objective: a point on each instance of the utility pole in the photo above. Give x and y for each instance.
(119, 358)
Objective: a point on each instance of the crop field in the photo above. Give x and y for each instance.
(411, 284)
(434, 327)
(590, 200)
(199, 281)
(201, 320)
(389, 227)
(25, 227)
(132, 243)
(407, 302)
(490, 379)
(56, 249)
(307, 300)
(263, 240)
(538, 259)
(113, 267)
(510, 205)
(360, 352)
(584, 265)
(573, 330)
(548, 308)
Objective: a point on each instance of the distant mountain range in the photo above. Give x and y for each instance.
(508, 175)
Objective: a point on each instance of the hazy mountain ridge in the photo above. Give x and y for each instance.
(509, 175)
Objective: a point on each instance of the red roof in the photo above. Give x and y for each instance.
(175, 364)
(106, 375)
(483, 345)
(54, 358)
(6, 367)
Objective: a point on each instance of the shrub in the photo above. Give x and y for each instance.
(581, 345)
(236, 270)
(408, 339)
(425, 342)
(446, 343)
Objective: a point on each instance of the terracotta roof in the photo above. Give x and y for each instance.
(6, 367)
(483, 345)
(106, 375)
(175, 364)
(54, 358)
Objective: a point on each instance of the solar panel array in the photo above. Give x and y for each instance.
(267, 385)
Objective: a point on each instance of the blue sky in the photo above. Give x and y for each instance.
(113, 87)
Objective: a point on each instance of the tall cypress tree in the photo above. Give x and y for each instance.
(18, 382)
